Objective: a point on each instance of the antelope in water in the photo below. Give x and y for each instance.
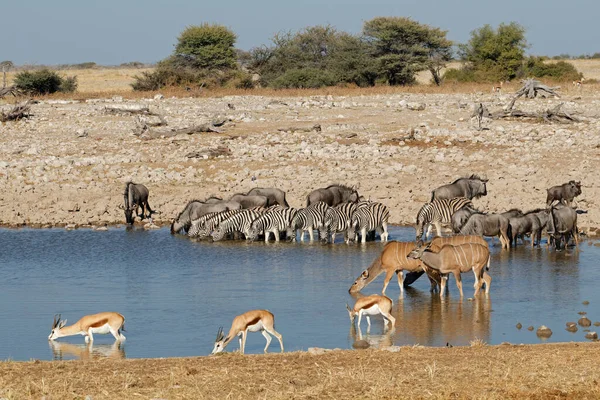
(102, 323)
(455, 260)
(394, 259)
(372, 305)
(253, 321)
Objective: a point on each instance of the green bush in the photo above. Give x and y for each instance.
(304, 79)
(44, 81)
(561, 70)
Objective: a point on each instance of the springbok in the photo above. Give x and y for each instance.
(455, 260)
(253, 321)
(497, 88)
(372, 305)
(579, 82)
(102, 323)
(393, 260)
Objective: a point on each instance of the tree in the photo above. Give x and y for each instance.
(402, 47)
(206, 46)
(495, 54)
(5, 66)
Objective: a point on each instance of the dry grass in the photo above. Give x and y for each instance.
(490, 372)
(102, 83)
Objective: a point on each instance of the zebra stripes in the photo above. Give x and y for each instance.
(275, 220)
(373, 216)
(338, 219)
(439, 212)
(204, 225)
(239, 222)
(308, 219)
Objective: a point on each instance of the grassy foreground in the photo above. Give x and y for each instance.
(567, 370)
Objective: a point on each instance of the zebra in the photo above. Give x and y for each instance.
(370, 217)
(307, 219)
(439, 212)
(239, 222)
(275, 220)
(338, 219)
(209, 222)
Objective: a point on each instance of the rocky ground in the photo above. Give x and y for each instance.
(67, 164)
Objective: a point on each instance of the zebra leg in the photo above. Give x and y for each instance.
(363, 235)
(333, 237)
(276, 233)
(438, 228)
(428, 232)
(384, 237)
(311, 233)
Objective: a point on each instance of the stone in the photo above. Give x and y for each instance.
(544, 332)
(585, 322)
(361, 344)
(591, 336)
(571, 327)
(519, 326)
(415, 106)
(81, 133)
(158, 97)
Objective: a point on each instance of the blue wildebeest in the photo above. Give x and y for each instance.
(522, 226)
(333, 195)
(471, 187)
(512, 213)
(195, 209)
(136, 196)
(250, 200)
(562, 224)
(543, 215)
(564, 193)
(485, 225)
(275, 196)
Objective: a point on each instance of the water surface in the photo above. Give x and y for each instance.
(175, 293)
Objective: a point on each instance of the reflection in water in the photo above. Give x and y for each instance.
(377, 341)
(61, 350)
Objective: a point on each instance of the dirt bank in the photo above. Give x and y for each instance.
(68, 163)
(570, 370)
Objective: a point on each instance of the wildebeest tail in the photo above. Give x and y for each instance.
(509, 233)
(432, 196)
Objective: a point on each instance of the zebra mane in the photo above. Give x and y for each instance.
(339, 185)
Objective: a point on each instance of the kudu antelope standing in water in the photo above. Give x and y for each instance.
(372, 305)
(101, 323)
(253, 321)
(455, 260)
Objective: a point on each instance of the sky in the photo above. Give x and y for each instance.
(112, 32)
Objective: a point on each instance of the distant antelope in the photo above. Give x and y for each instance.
(455, 260)
(497, 88)
(253, 321)
(372, 305)
(102, 323)
(579, 82)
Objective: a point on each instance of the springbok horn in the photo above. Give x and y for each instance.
(219, 334)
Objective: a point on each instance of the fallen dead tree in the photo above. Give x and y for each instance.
(145, 131)
(304, 129)
(554, 114)
(128, 109)
(9, 90)
(210, 153)
(18, 112)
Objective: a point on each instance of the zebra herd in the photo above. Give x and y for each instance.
(332, 210)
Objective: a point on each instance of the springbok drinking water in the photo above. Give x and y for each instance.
(253, 321)
(372, 305)
(102, 323)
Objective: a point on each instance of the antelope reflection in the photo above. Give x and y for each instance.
(87, 351)
(376, 341)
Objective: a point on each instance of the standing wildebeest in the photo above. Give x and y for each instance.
(275, 196)
(521, 226)
(471, 187)
(195, 209)
(543, 215)
(485, 225)
(564, 193)
(136, 196)
(562, 223)
(333, 195)
(249, 201)
(512, 213)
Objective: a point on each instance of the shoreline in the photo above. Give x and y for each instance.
(568, 370)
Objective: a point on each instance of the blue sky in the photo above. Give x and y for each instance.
(111, 32)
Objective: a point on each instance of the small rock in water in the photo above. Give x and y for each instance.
(596, 323)
(519, 326)
(591, 335)
(361, 344)
(571, 327)
(584, 321)
(544, 332)
(585, 303)
(582, 313)
(530, 328)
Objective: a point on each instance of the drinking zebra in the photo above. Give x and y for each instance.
(439, 212)
(307, 219)
(204, 225)
(338, 219)
(239, 222)
(370, 217)
(275, 220)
